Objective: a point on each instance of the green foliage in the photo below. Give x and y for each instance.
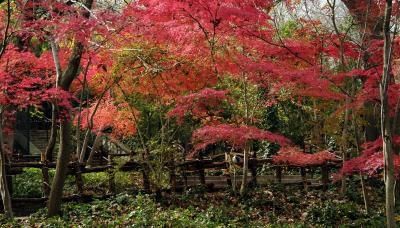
(290, 119)
(28, 184)
(142, 211)
(333, 213)
(248, 99)
(277, 206)
(288, 29)
(95, 181)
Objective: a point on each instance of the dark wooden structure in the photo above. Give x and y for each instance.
(32, 134)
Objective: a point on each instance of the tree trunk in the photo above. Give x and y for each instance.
(5, 194)
(54, 204)
(53, 135)
(364, 193)
(46, 179)
(70, 73)
(111, 175)
(84, 146)
(245, 171)
(47, 155)
(253, 169)
(78, 178)
(146, 178)
(358, 147)
(385, 121)
(95, 148)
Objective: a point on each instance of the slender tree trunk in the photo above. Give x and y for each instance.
(46, 178)
(71, 72)
(47, 156)
(64, 155)
(96, 147)
(82, 154)
(78, 178)
(358, 147)
(5, 194)
(385, 121)
(53, 135)
(344, 143)
(364, 193)
(78, 129)
(84, 146)
(245, 171)
(253, 169)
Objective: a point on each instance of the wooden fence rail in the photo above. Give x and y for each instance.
(187, 169)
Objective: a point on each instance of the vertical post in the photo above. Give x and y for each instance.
(183, 170)
(202, 176)
(10, 184)
(146, 180)
(111, 175)
(303, 174)
(253, 169)
(228, 161)
(325, 176)
(172, 176)
(46, 178)
(278, 170)
(78, 176)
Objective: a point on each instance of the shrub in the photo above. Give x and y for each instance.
(28, 184)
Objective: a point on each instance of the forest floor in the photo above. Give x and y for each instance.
(272, 206)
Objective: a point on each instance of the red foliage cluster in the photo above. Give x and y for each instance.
(294, 156)
(236, 136)
(191, 24)
(370, 162)
(199, 105)
(26, 80)
(63, 21)
(109, 114)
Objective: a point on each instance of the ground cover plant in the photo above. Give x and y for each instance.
(257, 112)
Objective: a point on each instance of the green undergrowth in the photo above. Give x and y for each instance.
(273, 206)
(29, 183)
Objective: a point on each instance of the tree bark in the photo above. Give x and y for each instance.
(385, 121)
(84, 146)
(96, 147)
(5, 194)
(344, 143)
(54, 204)
(253, 169)
(245, 171)
(71, 72)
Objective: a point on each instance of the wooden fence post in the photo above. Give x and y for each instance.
(202, 175)
(303, 174)
(278, 170)
(253, 169)
(78, 177)
(10, 184)
(325, 176)
(172, 176)
(46, 178)
(111, 174)
(146, 178)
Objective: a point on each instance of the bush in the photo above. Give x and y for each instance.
(142, 211)
(332, 213)
(347, 214)
(28, 184)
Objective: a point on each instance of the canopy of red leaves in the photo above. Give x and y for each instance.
(26, 80)
(293, 156)
(370, 162)
(109, 114)
(204, 103)
(236, 136)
